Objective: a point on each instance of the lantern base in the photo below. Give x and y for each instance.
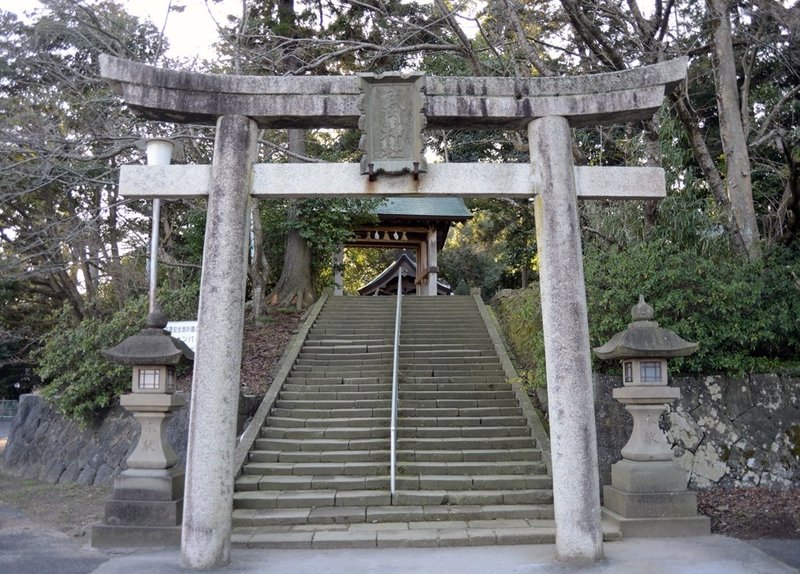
(146, 510)
(650, 499)
(107, 536)
(671, 527)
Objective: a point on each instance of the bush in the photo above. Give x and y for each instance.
(79, 380)
(520, 315)
(745, 315)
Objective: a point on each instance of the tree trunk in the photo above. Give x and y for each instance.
(259, 266)
(295, 286)
(734, 142)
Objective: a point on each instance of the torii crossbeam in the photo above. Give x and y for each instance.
(239, 105)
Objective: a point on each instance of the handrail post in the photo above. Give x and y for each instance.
(395, 370)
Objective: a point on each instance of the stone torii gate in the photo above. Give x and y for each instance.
(239, 105)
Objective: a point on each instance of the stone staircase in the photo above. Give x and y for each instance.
(469, 471)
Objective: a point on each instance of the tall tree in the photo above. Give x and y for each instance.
(63, 230)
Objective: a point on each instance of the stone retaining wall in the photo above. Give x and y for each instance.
(724, 432)
(45, 445)
(737, 432)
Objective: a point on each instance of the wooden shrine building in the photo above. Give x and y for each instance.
(418, 223)
(385, 283)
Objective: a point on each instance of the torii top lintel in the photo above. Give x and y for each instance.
(450, 102)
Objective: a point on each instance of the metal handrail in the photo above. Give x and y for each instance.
(395, 373)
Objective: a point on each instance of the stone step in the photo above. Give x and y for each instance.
(267, 455)
(346, 337)
(405, 403)
(350, 432)
(385, 393)
(323, 444)
(404, 386)
(476, 377)
(374, 348)
(260, 482)
(380, 467)
(297, 422)
(318, 468)
(482, 378)
(317, 395)
(441, 455)
(469, 455)
(406, 413)
(420, 421)
(454, 352)
(334, 361)
(263, 499)
(447, 394)
(478, 362)
(471, 468)
(306, 433)
(447, 432)
(435, 515)
(303, 379)
(403, 535)
(464, 443)
(257, 482)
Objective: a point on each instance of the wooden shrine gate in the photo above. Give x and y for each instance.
(239, 105)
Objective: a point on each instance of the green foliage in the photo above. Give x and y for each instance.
(363, 264)
(468, 263)
(80, 381)
(745, 315)
(520, 316)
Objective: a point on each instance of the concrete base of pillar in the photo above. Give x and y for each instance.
(664, 527)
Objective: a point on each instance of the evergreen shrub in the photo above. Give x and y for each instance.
(79, 380)
(744, 314)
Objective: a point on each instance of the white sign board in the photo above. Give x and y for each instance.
(185, 331)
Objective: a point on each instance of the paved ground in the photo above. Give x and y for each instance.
(712, 554)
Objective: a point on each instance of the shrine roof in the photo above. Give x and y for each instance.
(443, 208)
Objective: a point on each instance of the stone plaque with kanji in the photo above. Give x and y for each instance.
(391, 123)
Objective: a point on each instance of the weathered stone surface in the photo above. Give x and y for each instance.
(576, 496)
(650, 504)
(723, 432)
(214, 408)
(105, 536)
(333, 102)
(652, 476)
(345, 180)
(143, 512)
(44, 445)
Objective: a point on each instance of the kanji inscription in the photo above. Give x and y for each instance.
(392, 123)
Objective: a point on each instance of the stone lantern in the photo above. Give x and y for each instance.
(147, 505)
(648, 495)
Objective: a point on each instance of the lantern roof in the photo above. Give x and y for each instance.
(644, 338)
(153, 345)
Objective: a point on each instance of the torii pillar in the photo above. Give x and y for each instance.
(570, 394)
(548, 107)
